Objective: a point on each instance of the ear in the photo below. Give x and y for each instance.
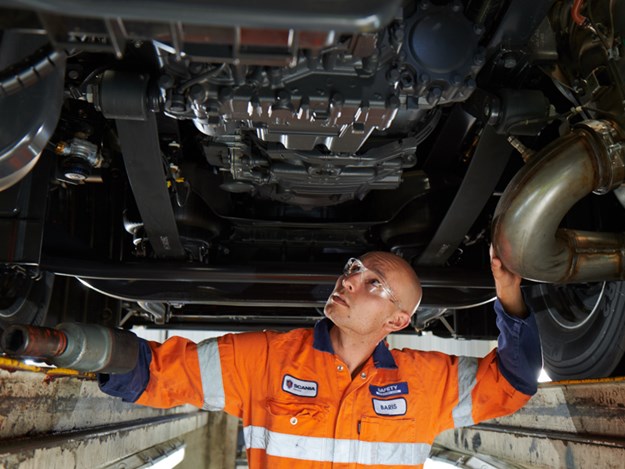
(397, 321)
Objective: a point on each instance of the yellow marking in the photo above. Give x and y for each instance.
(574, 382)
(11, 364)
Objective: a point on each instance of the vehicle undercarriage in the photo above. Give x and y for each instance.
(213, 165)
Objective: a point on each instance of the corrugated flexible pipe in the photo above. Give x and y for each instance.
(526, 233)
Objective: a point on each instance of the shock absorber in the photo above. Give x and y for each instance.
(82, 347)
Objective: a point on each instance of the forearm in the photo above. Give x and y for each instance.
(512, 301)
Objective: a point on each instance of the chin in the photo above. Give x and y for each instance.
(331, 309)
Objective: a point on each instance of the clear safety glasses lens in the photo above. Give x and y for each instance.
(355, 266)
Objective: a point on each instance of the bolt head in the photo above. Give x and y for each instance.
(509, 61)
(434, 95)
(198, 94)
(479, 59)
(392, 76)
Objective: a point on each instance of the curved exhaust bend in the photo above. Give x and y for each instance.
(526, 236)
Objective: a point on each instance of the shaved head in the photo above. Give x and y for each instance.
(399, 275)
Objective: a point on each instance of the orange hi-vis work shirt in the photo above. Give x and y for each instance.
(301, 407)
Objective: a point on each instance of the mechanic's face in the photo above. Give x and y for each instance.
(373, 290)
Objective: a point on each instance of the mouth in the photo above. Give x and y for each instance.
(336, 298)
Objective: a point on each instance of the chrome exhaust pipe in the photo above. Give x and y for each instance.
(526, 234)
(82, 347)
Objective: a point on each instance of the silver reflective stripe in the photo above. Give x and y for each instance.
(310, 448)
(210, 371)
(467, 371)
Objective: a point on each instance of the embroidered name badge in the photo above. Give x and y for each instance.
(299, 387)
(396, 389)
(390, 407)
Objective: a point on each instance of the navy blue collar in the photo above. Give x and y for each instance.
(382, 357)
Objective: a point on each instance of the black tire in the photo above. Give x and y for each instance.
(24, 300)
(582, 328)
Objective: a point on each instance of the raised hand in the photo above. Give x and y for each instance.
(508, 286)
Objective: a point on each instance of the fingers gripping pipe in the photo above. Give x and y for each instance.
(82, 347)
(525, 228)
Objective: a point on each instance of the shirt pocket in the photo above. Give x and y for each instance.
(297, 418)
(388, 429)
(390, 440)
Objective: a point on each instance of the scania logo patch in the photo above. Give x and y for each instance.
(390, 406)
(388, 390)
(299, 387)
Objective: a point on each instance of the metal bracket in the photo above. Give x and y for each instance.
(124, 98)
(488, 163)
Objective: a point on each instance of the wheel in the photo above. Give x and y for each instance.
(23, 299)
(582, 328)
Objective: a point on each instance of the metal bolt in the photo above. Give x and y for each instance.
(456, 6)
(392, 76)
(425, 5)
(509, 61)
(73, 74)
(198, 94)
(425, 78)
(165, 81)
(178, 103)
(479, 58)
(406, 79)
(478, 29)
(434, 95)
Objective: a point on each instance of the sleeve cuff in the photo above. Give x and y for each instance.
(129, 386)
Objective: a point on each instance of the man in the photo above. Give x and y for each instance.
(336, 396)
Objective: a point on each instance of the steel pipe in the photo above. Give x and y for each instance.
(82, 347)
(33, 341)
(526, 234)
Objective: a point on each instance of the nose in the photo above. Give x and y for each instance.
(348, 282)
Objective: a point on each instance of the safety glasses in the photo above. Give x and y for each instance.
(373, 281)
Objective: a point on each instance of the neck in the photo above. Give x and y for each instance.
(354, 350)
